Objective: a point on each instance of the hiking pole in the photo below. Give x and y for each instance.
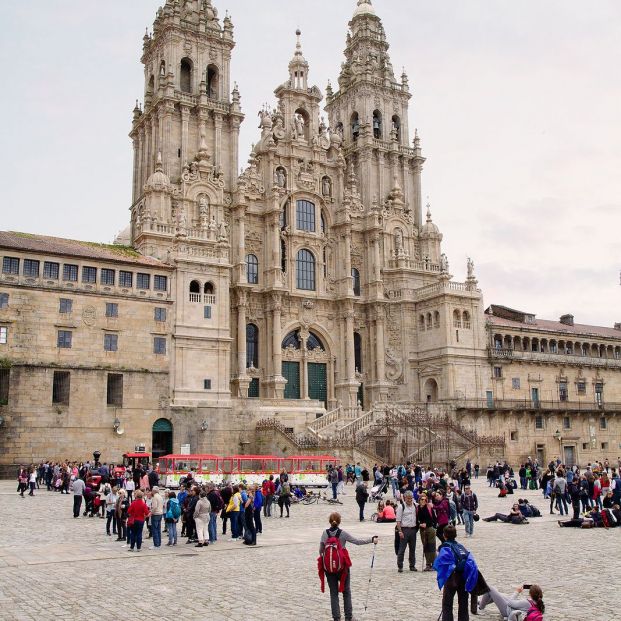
(366, 601)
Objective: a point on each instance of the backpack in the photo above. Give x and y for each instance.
(285, 490)
(175, 510)
(460, 553)
(332, 557)
(533, 614)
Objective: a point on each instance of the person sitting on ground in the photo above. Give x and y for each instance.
(387, 514)
(514, 517)
(511, 607)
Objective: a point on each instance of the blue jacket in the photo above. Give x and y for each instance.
(445, 566)
(258, 499)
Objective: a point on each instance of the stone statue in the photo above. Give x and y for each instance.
(470, 267)
(212, 227)
(298, 126)
(326, 186)
(398, 242)
(444, 264)
(280, 179)
(222, 231)
(279, 128)
(266, 119)
(203, 207)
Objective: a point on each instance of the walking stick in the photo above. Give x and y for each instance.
(366, 601)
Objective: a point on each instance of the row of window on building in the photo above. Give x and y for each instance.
(52, 271)
(64, 340)
(554, 346)
(428, 321)
(563, 387)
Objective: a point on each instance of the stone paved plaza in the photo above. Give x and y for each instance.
(55, 567)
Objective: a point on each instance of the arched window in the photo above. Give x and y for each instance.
(212, 82)
(252, 346)
(252, 269)
(355, 275)
(421, 322)
(195, 291)
(305, 267)
(377, 124)
(396, 126)
(305, 216)
(314, 342)
(358, 352)
(151, 85)
(4, 300)
(466, 319)
(185, 80)
(429, 324)
(456, 319)
(436, 319)
(291, 340)
(283, 255)
(355, 126)
(209, 289)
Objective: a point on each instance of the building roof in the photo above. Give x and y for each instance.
(557, 327)
(44, 244)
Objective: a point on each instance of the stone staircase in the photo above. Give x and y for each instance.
(388, 432)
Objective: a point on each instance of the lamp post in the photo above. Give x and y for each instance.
(559, 437)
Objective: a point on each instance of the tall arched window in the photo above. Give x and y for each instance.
(355, 126)
(252, 346)
(396, 125)
(252, 269)
(209, 288)
(283, 255)
(377, 124)
(212, 82)
(358, 352)
(305, 268)
(185, 80)
(305, 216)
(195, 291)
(355, 275)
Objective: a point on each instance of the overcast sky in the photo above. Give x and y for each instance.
(518, 105)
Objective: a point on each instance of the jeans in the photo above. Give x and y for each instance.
(393, 484)
(455, 584)
(408, 539)
(469, 521)
(77, 503)
(137, 534)
(258, 525)
(234, 515)
(561, 504)
(110, 517)
(172, 532)
(334, 486)
(156, 530)
(213, 527)
(333, 583)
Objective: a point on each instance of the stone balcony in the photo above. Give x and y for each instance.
(553, 358)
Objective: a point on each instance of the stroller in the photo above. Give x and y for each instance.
(377, 493)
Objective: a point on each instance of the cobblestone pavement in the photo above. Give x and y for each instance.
(55, 567)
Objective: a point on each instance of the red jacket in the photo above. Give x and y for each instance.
(269, 488)
(138, 510)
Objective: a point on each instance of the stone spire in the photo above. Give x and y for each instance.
(364, 7)
(298, 67)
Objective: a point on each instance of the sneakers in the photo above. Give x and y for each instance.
(400, 570)
(413, 569)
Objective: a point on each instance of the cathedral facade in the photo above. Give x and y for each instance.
(309, 303)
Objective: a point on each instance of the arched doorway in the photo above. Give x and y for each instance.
(162, 438)
(430, 392)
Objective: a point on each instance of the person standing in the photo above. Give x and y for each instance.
(122, 504)
(332, 543)
(216, 503)
(110, 503)
(406, 527)
(269, 490)
(137, 513)
(443, 512)
(284, 495)
(457, 573)
(426, 524)
(333, 478)
(258, 505)
(202, 515)
(130, 487)
(173, 513)
(361, 498)
(469, 505)
(78, 491)
(157, 511)
(32, 481)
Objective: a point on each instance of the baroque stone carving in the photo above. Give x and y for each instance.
(394, 366)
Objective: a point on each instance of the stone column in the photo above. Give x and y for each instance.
(241, 333)
(185, 127)
(239, 215)
(218, 139)
(136, 179)
(276, 338)
(233, 148)
(379, 344)
(304, 365)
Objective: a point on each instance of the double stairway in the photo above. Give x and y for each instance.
(390, 433)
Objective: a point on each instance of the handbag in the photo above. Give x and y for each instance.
(476, 517)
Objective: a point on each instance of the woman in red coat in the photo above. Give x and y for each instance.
(136, 515)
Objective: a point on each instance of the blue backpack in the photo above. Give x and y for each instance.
(460, 553)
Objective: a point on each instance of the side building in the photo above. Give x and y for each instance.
(84, 348)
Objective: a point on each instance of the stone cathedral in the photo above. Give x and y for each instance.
(304, 305)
